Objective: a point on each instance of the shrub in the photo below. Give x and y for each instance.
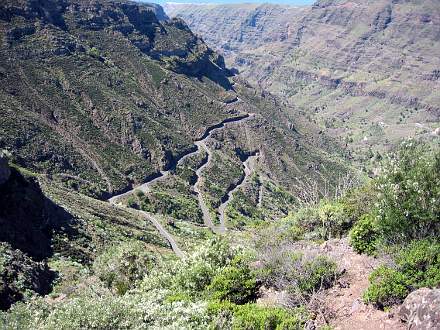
(327, 220)
(131, 202)
(318, 273)
(194, 273)
(417, 266)
(306, 218)
(195, 277)
(387, 287)
(360, 201)
(364, 235)
(420, 262)
(253, 317)
(139, 193)
(94, 52)
(122, 266)
(235, 283)
(298, 273)
(409, 188)
(334, 218)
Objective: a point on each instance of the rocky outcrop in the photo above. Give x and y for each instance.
(28, 218)
(421, 309)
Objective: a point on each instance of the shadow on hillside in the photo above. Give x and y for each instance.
(29, 219)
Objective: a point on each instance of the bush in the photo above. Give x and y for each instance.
(417, 266)
(420, 263)
(334, 218)
(94, 52)
(318, 273)
(122, 266)
(298, 273)
(131, 202)
(409, 188)
(364, 235)
(195, 277)
(306, 218)
(235, 283)
(327, 220)
(195, 272)
(387, 287)
(253, 317)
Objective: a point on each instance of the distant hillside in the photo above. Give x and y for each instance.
(366, 71)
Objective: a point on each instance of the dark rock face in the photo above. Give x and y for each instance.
(29, 222)
(27, 217)
(5, 171)
(421, 309)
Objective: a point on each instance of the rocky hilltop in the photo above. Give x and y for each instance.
(366, 71)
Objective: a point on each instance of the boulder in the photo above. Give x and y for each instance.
(5, 171)
(421, 309)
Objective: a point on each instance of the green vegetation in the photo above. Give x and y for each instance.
(106, 96)
(409, 189)
(329, 219)
(235, 283)
(250, 317)
(364, 235)
(387, 287)
(181, 207)
(121, 267)
(405, 221)
(173, 294)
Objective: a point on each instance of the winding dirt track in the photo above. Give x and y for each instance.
(249, 165)
(200, 145)
(207, 220)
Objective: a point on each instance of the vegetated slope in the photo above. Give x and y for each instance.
(86, 93)
(103, 95)
(42, 221)
(365, 71)
(99, 96)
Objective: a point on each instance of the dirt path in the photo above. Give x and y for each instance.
(345, 300)
(145, 187)
(249, 165)
(207, 220)
(164, 233)
(201, 144)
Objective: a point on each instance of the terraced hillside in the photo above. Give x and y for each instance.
(364, 71)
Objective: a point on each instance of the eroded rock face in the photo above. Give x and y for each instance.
(421, 309)
(5, 171)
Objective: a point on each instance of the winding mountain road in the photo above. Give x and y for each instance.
(200, 145)
(249, 165)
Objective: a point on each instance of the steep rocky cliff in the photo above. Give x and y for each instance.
(366, 71)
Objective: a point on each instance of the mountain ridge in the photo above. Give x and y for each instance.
(340, 62)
